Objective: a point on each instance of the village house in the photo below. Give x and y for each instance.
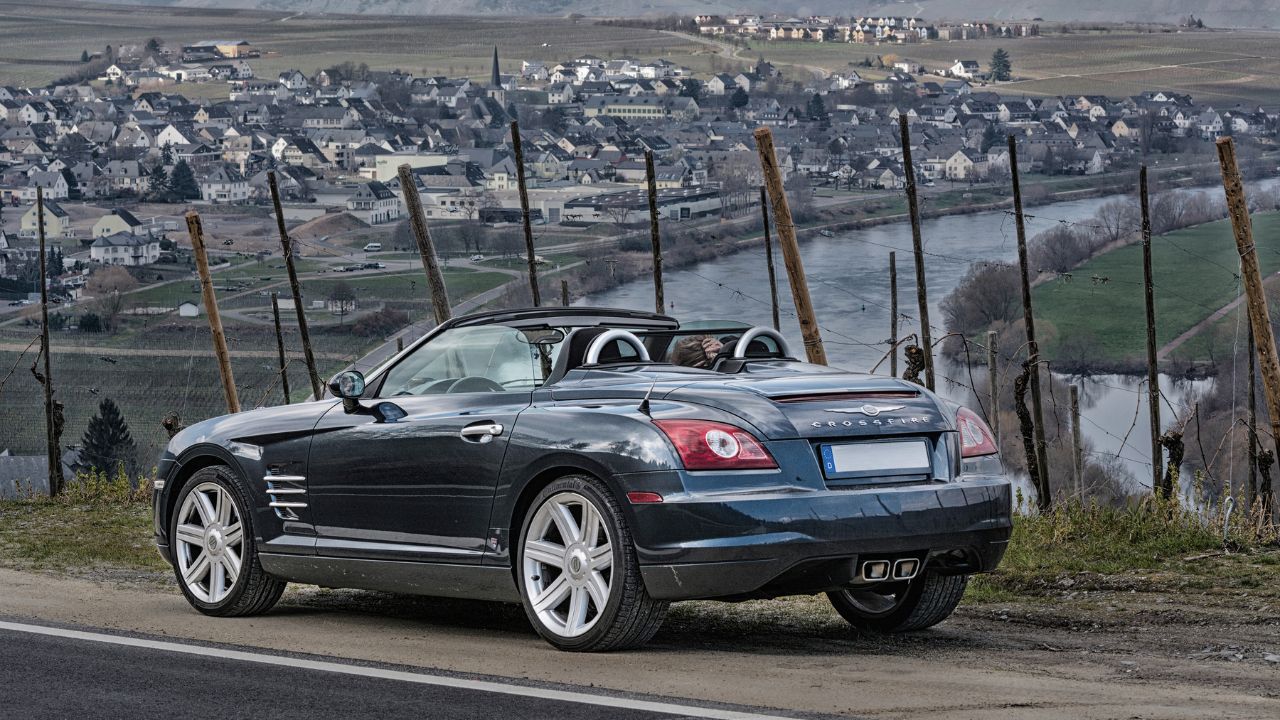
(125, 249)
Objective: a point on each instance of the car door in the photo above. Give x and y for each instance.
(417, 488)
(420, 486)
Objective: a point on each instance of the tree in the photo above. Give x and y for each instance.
(84, 56)
(159, 186)
(182, 182)
(342, 296)
(1001, 67)
(739, 98)
(108, 286)
(107, 444)
(54, 266)
(154, 45)
(817, 109)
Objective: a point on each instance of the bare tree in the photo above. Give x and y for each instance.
(108, 286)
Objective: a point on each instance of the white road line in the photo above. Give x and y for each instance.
(692, 711)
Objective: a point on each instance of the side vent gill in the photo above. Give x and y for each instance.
(288, 494)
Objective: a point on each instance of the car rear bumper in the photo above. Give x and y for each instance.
(778, 543)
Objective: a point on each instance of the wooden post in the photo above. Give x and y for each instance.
(1158, 484)
(524, 214)
(1077, 444)
(564, 293)
(813, 348)
(1259, 315)
(1041, 477)
(654, 236)
(893, 313)
(993, 380)
(399, 343)
(768, 258)
(51, 425)
(1253, 421)
(917, 246)
(284, 364)
(196, 230)
(286, 245)
(418, 221)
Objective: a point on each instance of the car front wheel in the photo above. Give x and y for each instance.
(214, 556)
(579, 578)
(892, 607)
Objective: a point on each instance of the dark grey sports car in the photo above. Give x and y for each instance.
(552, 457)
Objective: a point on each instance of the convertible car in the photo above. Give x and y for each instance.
(553, 457)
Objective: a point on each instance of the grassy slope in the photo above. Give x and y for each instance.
(1194, 276)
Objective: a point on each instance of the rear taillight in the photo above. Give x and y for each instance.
(976, 438)
(706, 445)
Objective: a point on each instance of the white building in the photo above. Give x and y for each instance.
(125, 249)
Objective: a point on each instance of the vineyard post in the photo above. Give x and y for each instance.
(993, 381)
(1259, 315)
(426, 249)
(53, 432)
(284, 364)
(917, 247)
(524, 214)
(768, 258)
(1077, 444)
(196, 229)
(564, 293)
(1158, 480)
(809, 330)
(893, 313)
(655, 237)
(304, 334)
(1041, 477)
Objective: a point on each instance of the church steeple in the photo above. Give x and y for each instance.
(495, 79)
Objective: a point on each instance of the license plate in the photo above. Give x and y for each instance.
(883, 457)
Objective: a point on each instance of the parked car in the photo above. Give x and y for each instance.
(554, 458)
(477, 258)
(372, 247)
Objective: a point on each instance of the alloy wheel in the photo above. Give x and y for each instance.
(210, 542)
(568, 564)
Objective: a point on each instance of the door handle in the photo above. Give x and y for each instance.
(481, 432)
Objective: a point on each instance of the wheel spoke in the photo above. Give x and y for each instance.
(577, 617)
(231, 561)
(233, 534)
(191, 534)
(207, 513)
(196, 570)
(602, 557)
(590, 524)
(225, 506)
(217, 581)
(553, 595)
(598, 589)
(569, 530)
(545, 552)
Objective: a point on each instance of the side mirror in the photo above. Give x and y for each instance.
(348, 384)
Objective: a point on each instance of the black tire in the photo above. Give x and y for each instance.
(254, 591)
(630, 617)
(924, 602)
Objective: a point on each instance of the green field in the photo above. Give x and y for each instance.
(1194, 276)
(42, 41)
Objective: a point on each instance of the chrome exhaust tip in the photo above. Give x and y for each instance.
(906, 569)
(875, 570)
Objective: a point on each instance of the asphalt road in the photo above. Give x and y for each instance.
(56, 672)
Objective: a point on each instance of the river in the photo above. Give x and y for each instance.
(849, 281)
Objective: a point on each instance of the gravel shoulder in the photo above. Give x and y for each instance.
(1093, 647)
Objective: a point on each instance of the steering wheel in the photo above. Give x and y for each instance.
(474, 383)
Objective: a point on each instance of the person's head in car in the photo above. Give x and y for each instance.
(697, 351)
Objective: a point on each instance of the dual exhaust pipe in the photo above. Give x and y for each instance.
(881, 570)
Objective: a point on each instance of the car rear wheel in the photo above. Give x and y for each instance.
(578, 574)
(901, 606)
(214, 556)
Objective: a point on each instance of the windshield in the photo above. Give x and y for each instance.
(485, 358)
